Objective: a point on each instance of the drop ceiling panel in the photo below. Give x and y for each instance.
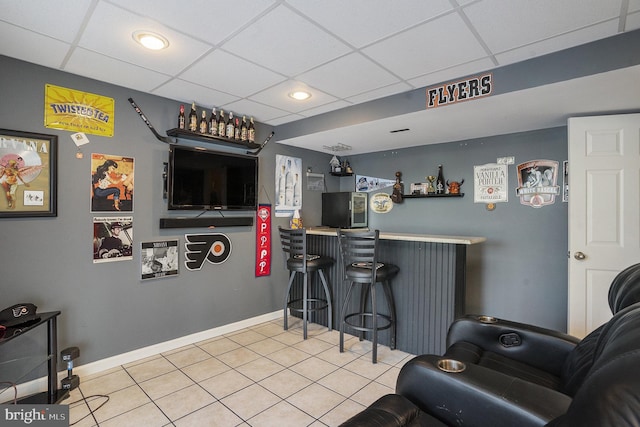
(33, 47)
(286, 43)
(47, 17)
(208, 20)
(90, 64)
(359, 22)
(277, 96)
(231, 74)
(110, 33)
(357, 74)
(380, 93)
(325, 108)
(188, 92)
(260, 112)
(574, 38)
(427, 48)
(532, 21)
(444, 75)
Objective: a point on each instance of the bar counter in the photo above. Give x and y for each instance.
(429, 291)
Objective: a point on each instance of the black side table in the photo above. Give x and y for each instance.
(52, 395)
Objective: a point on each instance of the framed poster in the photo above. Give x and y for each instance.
(159, 259)
(111, 183)
(28, 174)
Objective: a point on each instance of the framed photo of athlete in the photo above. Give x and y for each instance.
(28, 174)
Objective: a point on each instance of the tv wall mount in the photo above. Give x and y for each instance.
(177, 133)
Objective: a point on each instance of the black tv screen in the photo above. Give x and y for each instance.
(201, 179)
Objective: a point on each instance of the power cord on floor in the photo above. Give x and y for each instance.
(91, 411)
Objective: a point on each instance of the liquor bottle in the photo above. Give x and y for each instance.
(230, 128)
(440, 181)
(251, 134)
(236, 135)
(244, 130)
(213, 123)
(193, 118)
(181, 117)
(222, 126)
(203, 122)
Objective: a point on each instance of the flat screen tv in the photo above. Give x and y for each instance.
(202, 179)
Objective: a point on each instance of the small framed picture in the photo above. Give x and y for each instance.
(28, 173)
(159, 259)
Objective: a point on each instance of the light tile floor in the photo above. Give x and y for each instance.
(260, 376)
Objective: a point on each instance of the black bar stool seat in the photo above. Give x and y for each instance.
(359, 252)
(294, 246)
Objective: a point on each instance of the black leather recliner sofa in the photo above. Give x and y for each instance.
(547, 379)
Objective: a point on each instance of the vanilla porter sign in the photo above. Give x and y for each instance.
(490, 183)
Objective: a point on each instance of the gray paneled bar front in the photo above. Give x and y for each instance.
(429, 291)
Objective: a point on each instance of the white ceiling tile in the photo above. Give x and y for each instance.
(90, 64)
(47, 17)
(379, 93)
(188, 92)
(325, 108)
(110, 32)
(260, 112)
(357, 74)
(284, 42)
(33, 47)
(634, 6)
(574, 38)
(208, 20)
(278, 97)
(427, 48)
(234, 75)
(360, 22)
(453, 73)
(528, 22)
(284, 119)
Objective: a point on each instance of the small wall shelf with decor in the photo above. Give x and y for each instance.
(341, 173)
(426, 196)
(195, 136)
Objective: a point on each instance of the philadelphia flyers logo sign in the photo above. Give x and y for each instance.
(214, 248)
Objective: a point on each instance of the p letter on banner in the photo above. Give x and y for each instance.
(263, 241)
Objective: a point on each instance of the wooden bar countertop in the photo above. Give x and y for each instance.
(411, 237)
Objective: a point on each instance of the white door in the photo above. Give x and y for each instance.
(604, 212)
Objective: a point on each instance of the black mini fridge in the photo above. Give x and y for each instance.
(344, 209)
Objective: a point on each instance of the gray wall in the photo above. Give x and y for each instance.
(519, 273)
(106, 309)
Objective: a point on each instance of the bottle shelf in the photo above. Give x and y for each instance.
(186, 134)
(341, 173)
(426, 196)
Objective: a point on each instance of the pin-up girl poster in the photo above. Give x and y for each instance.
(111, 183)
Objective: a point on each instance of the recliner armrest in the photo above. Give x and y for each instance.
(542, 348)
(477, 396)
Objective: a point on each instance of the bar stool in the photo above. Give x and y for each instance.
(294, 246)
(359, 252)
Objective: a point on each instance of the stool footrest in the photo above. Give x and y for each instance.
(386, 321)
(313, 304)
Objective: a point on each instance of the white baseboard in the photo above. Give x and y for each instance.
(40, 384)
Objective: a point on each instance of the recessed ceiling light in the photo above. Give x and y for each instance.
(300, 95)
(150, 40)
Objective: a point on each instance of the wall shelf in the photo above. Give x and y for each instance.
(426, 196)
(186, 134)
(341, 173)
(197, 222)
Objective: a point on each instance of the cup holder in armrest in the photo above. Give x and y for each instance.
(487, 319)
(451, 365)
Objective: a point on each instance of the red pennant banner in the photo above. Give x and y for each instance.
(263, 241)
